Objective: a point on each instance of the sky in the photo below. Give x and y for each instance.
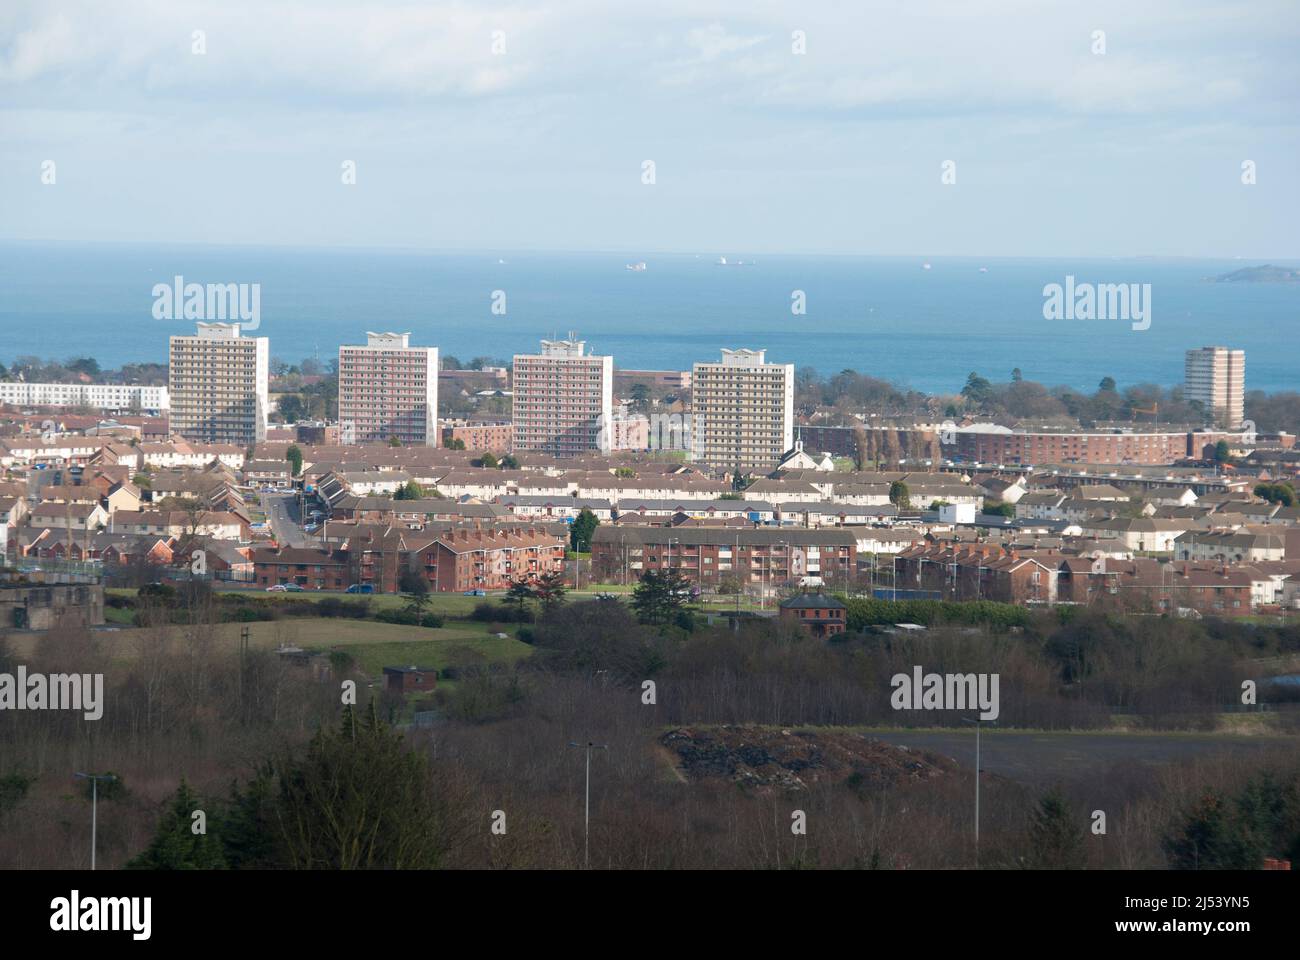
(1111, 129)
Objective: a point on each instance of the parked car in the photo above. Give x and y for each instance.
(361, 588)
(311, 528)
(276, 588)
(293, 588)
(476, 593)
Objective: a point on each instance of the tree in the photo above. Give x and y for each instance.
(1210, 838)
(899, 495)
(175, 845)
(581, 530)
(1107, 385)
(659, 596)
(1222, 452)
(415, 591)
(359, 799)
(394, 442)
(520, 592)
(455, 443)
(1057, 835)
(489, 461)
(550, 589)
(508, 462)
(1016, 375)
(294, 456)
(1280, 493)
(977, 390)
(409, 491)
(292, 408)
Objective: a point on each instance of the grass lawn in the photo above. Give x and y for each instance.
(373, 645)
(443, 604)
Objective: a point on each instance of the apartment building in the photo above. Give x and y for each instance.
(492, 559)
(1216, 376)
(116, 397)
(742, 411)
(563, 399)
(388, 388)
(495, 438)
(218, 385)
(758, 557)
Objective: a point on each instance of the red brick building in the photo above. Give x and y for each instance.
(404, 680)
(309, 567)
(818, 614)
(491, 559)
(977, 572)
(1143, 585)
(766, 557)
(492, 437)
(1154, 446)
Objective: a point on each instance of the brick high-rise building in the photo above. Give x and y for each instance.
(1216, 376)
(742, 411)
(563, 401)
(218, 385)
(388, 388)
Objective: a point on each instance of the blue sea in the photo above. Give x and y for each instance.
(885, 316)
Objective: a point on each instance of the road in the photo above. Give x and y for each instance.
(283, 516)
(1032, 757)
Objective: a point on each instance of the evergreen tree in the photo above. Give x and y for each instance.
(358, 799)
(176, 846)
(1057, 835)
(1210, 838)
(581, 530)
(659, 596)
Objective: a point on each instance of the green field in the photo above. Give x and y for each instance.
(373, 645)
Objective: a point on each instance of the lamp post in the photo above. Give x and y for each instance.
(94, 779)
(586, 824)
(977, 721)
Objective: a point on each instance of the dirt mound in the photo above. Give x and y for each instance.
(794, 759)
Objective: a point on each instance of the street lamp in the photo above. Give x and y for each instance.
(977, 721)
(94, 779)
(586, 825)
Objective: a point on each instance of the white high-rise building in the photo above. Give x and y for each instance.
(563, 399)
(1216, 376)
(218, 385)
(388, 388)
(742, 411)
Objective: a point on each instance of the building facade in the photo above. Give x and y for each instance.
(742, 411)
(1216, 377)
(756, 557)
(997, 444)
(218, 385)
(563, 400)
(388, 388)
(116, 397)
(495, 438)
